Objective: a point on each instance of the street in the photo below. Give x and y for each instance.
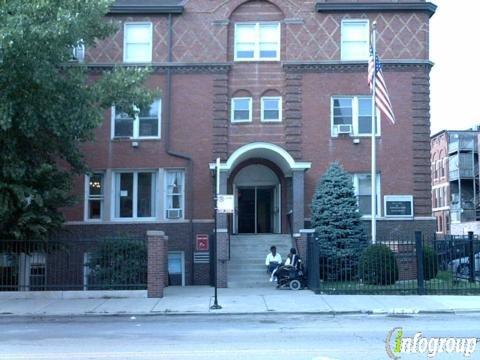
(223, 336)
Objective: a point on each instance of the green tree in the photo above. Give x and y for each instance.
(336, 220)
(49, 105)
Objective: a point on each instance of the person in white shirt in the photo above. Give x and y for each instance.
(273, 260)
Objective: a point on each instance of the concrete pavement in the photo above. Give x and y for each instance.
(197, 300)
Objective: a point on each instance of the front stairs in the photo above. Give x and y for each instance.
(246, 268)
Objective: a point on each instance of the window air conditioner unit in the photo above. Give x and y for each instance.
(344, 129)
(174, 213)
(78, 53)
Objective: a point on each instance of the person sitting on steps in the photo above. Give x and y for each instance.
(273, 260)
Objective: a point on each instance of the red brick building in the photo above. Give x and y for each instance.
(455, 181)
(277, 90)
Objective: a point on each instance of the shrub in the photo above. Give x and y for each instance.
(378, 265)
(119, 263)
(430, 266)
(338, 225)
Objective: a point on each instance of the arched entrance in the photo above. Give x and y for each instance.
(258, 200)
(258, 189)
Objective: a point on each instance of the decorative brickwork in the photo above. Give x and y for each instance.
(293, 114)
(220, 116)
(421, 143)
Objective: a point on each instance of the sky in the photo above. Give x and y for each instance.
(455, 77)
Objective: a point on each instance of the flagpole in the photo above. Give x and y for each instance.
(374, 140)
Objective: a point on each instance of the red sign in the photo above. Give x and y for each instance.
(202, 242)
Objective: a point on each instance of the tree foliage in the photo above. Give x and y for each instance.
(50, 105)
(337, 222)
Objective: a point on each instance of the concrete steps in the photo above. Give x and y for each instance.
(246, 267)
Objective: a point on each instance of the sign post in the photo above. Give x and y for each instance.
(215, 305)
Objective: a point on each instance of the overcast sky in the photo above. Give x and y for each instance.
(455, 78)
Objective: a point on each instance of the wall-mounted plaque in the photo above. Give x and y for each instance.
(398, 206)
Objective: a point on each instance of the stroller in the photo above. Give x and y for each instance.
(291, 276)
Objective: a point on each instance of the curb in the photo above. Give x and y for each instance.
(219, 314)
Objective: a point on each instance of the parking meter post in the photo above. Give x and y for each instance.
(471, 256)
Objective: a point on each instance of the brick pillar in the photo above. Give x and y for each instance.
(157, 276)
(298, 185)
(302, 242)
(222, 239)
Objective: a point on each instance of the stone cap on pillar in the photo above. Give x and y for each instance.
(155, 233)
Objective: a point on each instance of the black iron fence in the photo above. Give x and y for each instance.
(407, 266)
(107, 264)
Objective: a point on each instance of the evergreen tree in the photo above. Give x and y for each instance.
(336, 220)
(49, 105)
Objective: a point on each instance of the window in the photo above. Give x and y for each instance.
(146, 124)
(353, 115)
(241, 109)
(363, 191)
(272, 109)
(135, 195)
(94, 196)
(257, 41)
(174, 189)
(137, 42)
(355, 40)
(37, 271)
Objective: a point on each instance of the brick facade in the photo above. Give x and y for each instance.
(199, 77)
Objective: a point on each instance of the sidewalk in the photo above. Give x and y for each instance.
(197, 300)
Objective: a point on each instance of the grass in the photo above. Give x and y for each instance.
(443, 283)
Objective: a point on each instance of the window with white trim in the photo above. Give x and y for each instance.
(241, 109)
(352, 115)
(271, 108)
(362, 185)
(135, 195)
(355, 40)
(94, 196)
(137, 42)
(257, 41)
(175, 194)
(146, 123)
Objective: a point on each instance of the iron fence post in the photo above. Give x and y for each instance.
(471, 256)
(419, 252)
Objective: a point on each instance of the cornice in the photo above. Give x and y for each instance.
(427, 7)
(161, 68)
(145, 9)
(352, 66)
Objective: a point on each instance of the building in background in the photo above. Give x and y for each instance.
(277, 90)
(455, 181)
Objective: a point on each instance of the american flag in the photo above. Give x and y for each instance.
(382, 99)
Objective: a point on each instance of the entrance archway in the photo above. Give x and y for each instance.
(258, 200)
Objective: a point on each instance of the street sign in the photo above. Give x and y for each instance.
(225, 204)
(202, 242)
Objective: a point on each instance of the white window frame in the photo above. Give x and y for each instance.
(343, 41)
(232, 110)
(136, 125)
(131, 23)
(355, 113)
(280, 106)
(166, 195)
(409, 198)
(87, 197)
(256, 51)
(355, 178)
(115, 198)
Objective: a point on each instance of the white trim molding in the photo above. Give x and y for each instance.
(268, 151)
